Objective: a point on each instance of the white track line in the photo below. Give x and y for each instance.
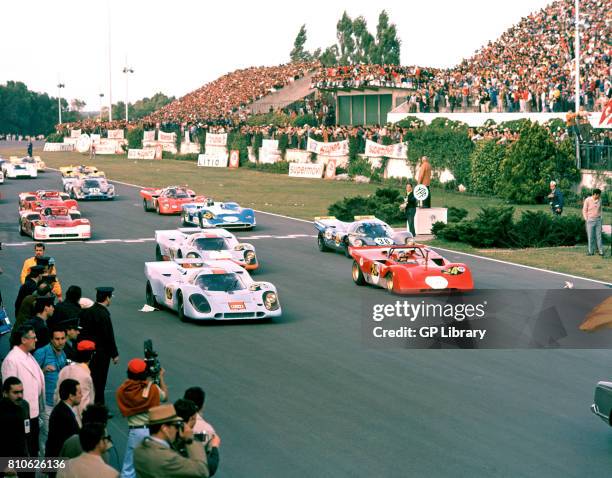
(441, 248)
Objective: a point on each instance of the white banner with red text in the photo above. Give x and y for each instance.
(397, 150)
(337, 148)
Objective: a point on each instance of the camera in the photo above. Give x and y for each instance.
(153, 365)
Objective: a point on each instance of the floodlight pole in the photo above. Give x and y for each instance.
(59, 100)
(101, 95)
(127, 70)
(577, 79)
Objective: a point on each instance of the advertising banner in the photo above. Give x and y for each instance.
(57, 147)
(115, 134)
(397, 150)
(297, 156)
(148, 153)
(212, 160)
(75, 133)
(167, 137)
(302, 170)
(234, 159)
(603, 119)
(148, 136)
(216, 139)
(337, 148)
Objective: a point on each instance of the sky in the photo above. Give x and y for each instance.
(176, 47)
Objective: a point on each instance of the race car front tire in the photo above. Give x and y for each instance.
(321, 243)
(145, 205)
(390, 282)
(346, 248)
(181, 307)
(21, 233)
(358, 277)
(150, 296)
(158, 254)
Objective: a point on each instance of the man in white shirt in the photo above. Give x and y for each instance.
(21, 363)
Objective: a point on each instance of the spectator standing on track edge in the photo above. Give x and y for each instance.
(556, 199)
(592, 214)
(97, 326)
(424, 178)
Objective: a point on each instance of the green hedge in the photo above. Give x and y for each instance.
(134, 138)
(485, 162)
(384, 204)
(495, 227)
(55, 138)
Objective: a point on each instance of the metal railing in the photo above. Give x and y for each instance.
(596, 156)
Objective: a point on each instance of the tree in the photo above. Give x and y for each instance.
(344, 33)
(298, 53)
(330, 56)
(363, 40)
(77, 105)
(387, 47)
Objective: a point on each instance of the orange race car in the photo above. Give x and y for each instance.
(408, 269)
(41, 199)
(167, 200)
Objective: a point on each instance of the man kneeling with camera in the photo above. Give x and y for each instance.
(135, 397)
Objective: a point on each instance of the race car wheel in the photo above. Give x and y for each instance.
(390, 282)
(72, 195)
(158, 254)
(179, 254)
(357, 274)
(150, 296)
(321, 243)
(21, 233)
(145, 206)
(157, 208)
(346, 248)
(180, 308)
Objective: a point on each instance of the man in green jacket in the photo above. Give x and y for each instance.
(156, 457)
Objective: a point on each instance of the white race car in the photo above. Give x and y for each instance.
(210, 290)
(207, 244)
(16, 168)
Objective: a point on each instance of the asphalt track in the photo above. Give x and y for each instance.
(302, 396)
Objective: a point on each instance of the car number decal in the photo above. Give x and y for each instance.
(383, 241)
(169, 293)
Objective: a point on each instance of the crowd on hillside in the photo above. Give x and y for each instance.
(228, 94)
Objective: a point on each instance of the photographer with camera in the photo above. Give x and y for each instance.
(156, 456)
(135, 397)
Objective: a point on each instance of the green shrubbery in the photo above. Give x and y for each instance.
(302, 120)
(280, 167)
(134, 138)
(495, 227)
(485, 164)
(55, 138)
(384, 204)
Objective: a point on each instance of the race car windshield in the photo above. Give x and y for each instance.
(177, 194)
(90, 183)
(374, 230)
(220, 282)
(230, 205)
(210, 244)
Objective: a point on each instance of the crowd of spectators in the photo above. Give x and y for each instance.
(529, 68)
(227, 95)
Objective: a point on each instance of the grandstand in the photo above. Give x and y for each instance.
(529, 68)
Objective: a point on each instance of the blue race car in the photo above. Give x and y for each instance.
(228, 215)
(91, 188)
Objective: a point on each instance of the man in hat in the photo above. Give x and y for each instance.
(26, 309)
(29, 285)
(39, 258)
(50, 275)
(79, 371)
(43, 309)
(155, 456)
(135, 397)
(96, 325)
(21, 364)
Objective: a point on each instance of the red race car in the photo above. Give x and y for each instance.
(54, 223)
(35, 201)
(408, 269)
(167, 200)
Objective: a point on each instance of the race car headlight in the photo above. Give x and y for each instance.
(249, 257)
(357, 242)
(270, 301)
(192, 255)
(199, 303)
